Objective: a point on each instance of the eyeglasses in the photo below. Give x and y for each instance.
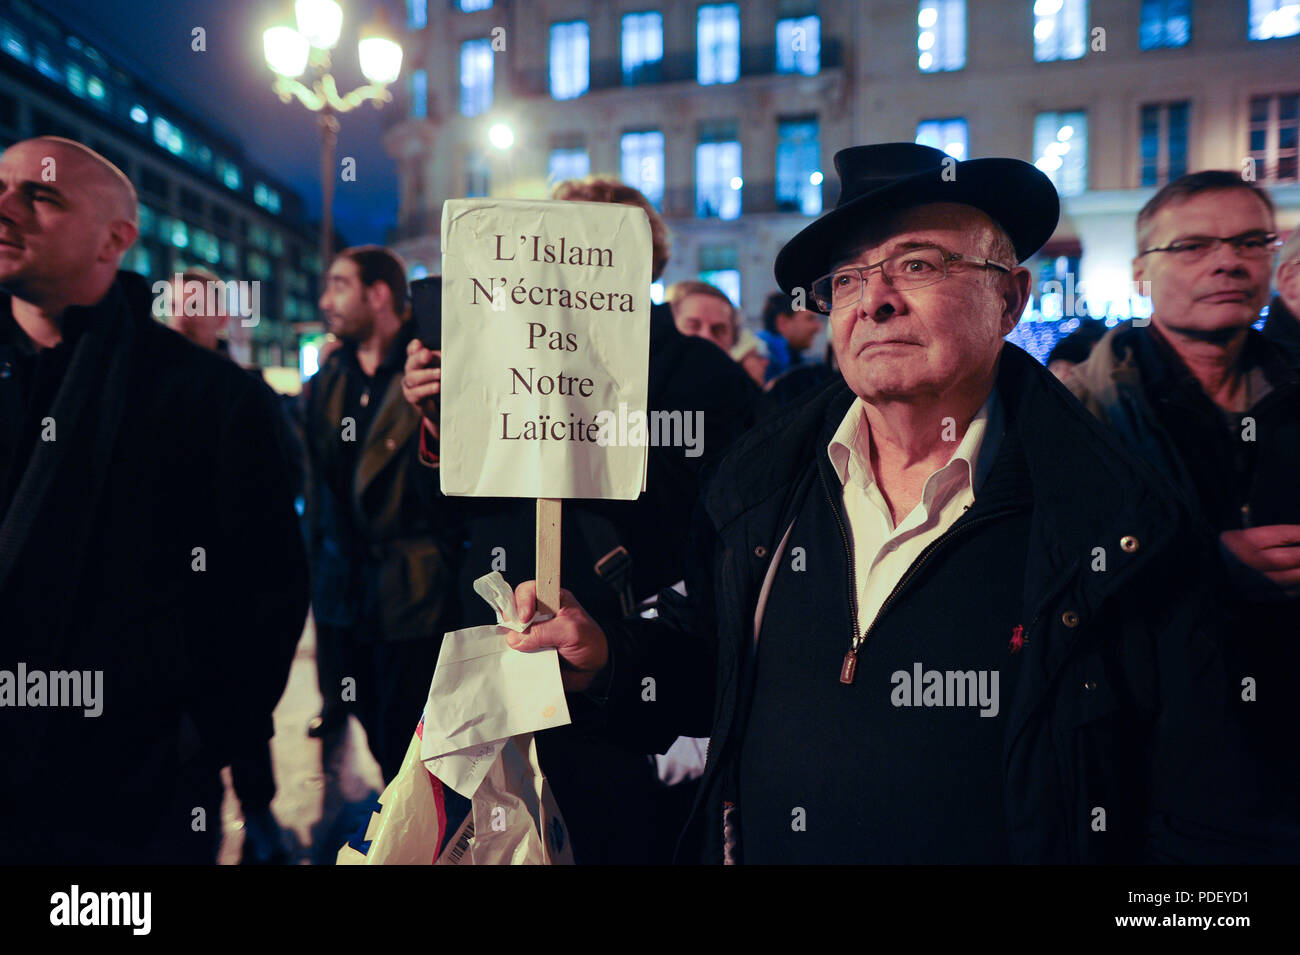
(912, 269)
(1249, 245)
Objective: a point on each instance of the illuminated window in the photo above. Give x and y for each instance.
(718, 268)
(1163, 142)
(478, 175)
(13, 42)
(1061, 150)
(718, 182)
(568, 164)
(1165, 23)
(76, 79)
(168, 136)
(419, 94)
(941, 35)
(717, 40)
(641, 163)
(1060, 29)
(475, 76)
(1270, 19)
(469, 6)
(1274, 121)
(417, 14)
(950, 135)
(570, 59)
(798, 167)
(799, 45)
(643, 47)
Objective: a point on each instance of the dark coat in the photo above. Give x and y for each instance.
(1229, 483)
(1126, 708)
(162, 448)
(603, 790)
(376, 559)
(1281, 325)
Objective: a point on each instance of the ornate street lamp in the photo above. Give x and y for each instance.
(290, 53)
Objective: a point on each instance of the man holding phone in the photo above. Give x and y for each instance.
(1215, 406)
(381, 573)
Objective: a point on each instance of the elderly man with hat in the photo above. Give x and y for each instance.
(912, 639)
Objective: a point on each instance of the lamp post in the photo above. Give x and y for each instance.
(290, 53)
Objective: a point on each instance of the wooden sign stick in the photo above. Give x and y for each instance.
(548, 555)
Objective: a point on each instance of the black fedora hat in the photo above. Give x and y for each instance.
(887, 177)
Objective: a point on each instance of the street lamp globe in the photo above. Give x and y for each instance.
(320, 21)
(286, 51)
(381, 59)
(501, 136)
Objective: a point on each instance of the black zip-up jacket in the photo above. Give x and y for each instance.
(1122, 703)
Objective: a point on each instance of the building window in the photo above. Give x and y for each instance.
(568, 164)
(950, 135)
(475, 76)
(798, 167)
(941, 35)
(1163, 142)
(228, 172)
(13, 43)
(1060, 29)
(641, 163)
(168, 136)
(1061, 150)
(718, 268)
(139, 114)
(266, 197)
(419, 94)
(643, 47)
(717, 172)
(1270, 19)
(470, 6)
(1274, 121)
(478, 175)
(1165, 23)
(417, 14)
(570, 59)
(717, 41)
(45, 64)
(799, 45)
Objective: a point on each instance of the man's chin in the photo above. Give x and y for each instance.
(1221, 325)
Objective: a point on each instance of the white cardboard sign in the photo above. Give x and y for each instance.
(546, 340)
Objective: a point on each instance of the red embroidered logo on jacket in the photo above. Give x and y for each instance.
(1017, 639)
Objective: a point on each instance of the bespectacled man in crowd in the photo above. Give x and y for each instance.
(1215, 407)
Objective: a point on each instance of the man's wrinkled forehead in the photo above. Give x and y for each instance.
(911, 227)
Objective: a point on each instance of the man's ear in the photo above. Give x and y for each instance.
(377, 297)
(121, 236)
(1015, 296)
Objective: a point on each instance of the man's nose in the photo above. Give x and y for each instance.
(10, 206)
(880, 300)
(1227, 257)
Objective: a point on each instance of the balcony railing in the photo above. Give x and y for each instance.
(756, 198)
(758, 60)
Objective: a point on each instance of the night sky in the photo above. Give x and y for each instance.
(229, 87)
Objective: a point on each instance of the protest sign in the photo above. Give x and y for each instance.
(545, 339)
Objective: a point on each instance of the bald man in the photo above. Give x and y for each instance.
(152, 581)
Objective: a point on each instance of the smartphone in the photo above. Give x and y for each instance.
(426, 310)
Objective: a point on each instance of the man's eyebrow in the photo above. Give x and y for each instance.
(35, 186)
(887, 250)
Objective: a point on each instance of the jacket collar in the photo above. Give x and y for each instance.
(1084, 487)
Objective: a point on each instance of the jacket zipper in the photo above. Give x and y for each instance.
(848, 669)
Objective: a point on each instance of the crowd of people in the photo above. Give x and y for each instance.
(922, 601)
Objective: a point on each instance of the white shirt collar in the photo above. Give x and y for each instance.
(850, 457)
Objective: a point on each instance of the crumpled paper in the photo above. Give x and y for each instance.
(484, 692)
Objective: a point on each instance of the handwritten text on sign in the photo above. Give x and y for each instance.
(545, 339)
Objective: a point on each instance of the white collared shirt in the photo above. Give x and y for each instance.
(883, 552)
